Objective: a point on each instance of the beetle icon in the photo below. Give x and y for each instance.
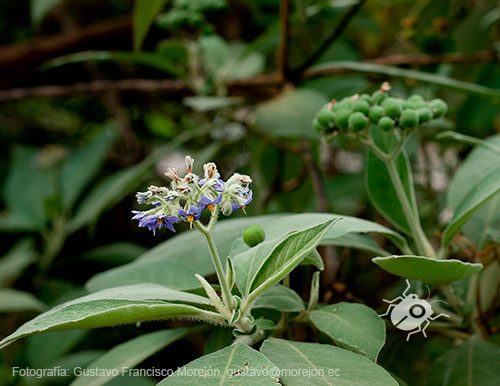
(411, 313)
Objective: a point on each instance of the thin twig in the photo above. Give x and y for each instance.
(331, 38)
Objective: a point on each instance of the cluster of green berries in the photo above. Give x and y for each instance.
(356, 113)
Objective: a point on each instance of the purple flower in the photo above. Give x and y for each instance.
(248, 195)
(219, 184)
(152, 222)
(205, 202)
(193, 214)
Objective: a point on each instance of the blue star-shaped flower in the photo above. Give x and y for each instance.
(205, 202)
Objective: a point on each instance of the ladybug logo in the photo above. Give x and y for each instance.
(411, 313)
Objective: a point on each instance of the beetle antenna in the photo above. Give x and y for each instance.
(429, 292)
(438, 300)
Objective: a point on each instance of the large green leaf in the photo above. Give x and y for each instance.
(290, 114)
(117, 306)
(82, 165)
(352, 326)
(13, 301)
(143, 15)
(378, 182)
(397, 72)
(472, 363)
(287, 255)
(427, 270)
(130, 354)
(188, 251)
(484, 190)
(322, 364)
(235, 365)
(280, 298)
(115, 254)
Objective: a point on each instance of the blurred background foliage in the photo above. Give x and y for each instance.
(97, 98)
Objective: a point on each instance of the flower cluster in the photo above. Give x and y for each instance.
(188, 196)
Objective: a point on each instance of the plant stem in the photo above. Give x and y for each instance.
(423, 245)
(226, 292)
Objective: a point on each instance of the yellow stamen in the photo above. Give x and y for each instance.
(210, 207)
(160, 220)
(190, 218)
(243, 208)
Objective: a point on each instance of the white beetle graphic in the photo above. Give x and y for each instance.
(410, 313)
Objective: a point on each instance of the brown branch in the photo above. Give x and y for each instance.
(23, 57)
(331, 38)
(282, 52)
(263, 81)
(317, 178)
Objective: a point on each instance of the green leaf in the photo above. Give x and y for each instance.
(16, 260)
(82, 165)
(290, 114)
(219, 338)
(114, 307)
(379, 185)
(15, 301)
(143, 16)
(215, 53)
(484, 190)
(287, 255)
(472, 363)
(230, 366)
(174, 262)
(352, 326)
(397, 72)
(130, 354)
(280, 298)
(40, 8)
(358, 241)
(323, 364)
(427, 270)
(146, 59)
(315, 259)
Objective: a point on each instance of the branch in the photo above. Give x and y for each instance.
(330, 39)
(263, 81)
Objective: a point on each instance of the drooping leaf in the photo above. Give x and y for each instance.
(483, 191)
(290, 114)
(226, 367)
(427, 270)
(117, 306)
(15, 301)
(143, 16)
(146, 59)
(352, 326)
(280, 298)
(130, 354)
(187, 252)
(323, 364)
(472, 363)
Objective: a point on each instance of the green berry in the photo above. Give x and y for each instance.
(342, 118)
(367, 98)
(409, 119)
(438, 107)
(357, 121)
(326, 118)
(361, 106)
(424, 114)
(386, 123)
(408, 105)
(416, 99)
(253, 235)
(376, 112)
(392, 107)
(378, 97)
